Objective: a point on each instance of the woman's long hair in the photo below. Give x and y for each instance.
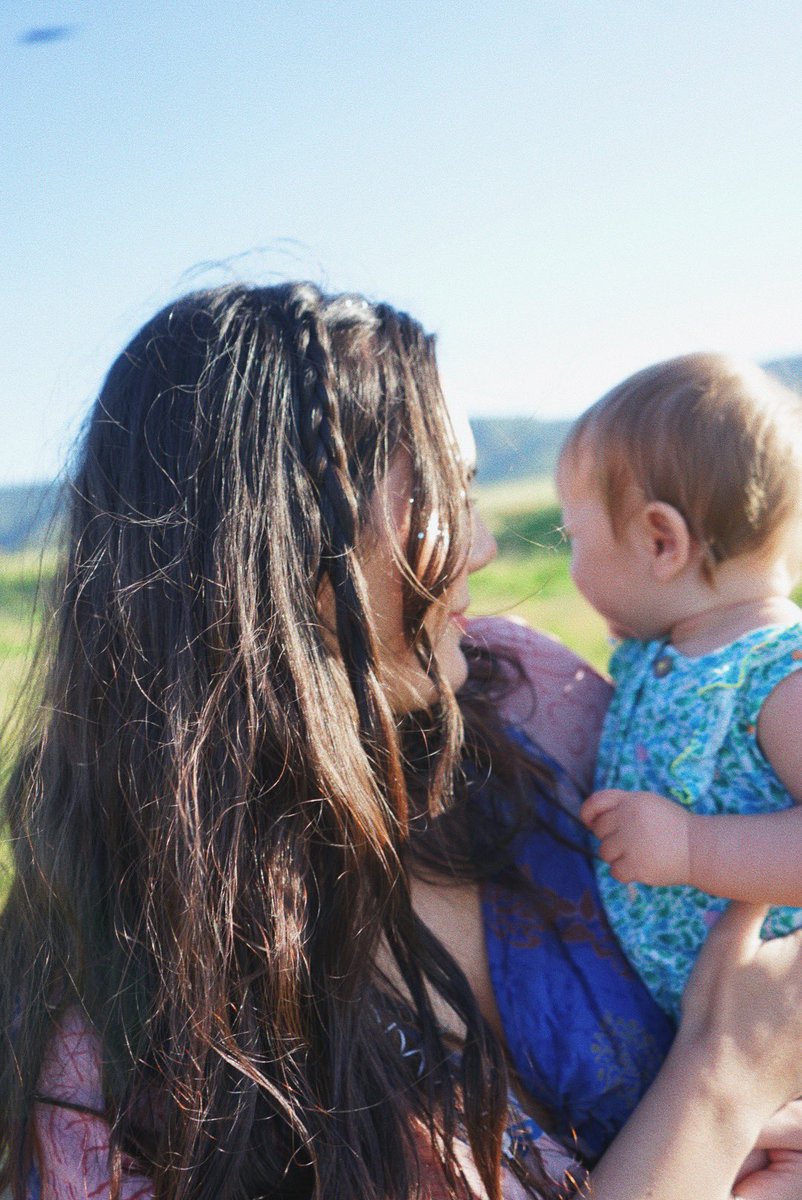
(208, 813)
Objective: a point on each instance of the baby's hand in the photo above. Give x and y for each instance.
(644, 837)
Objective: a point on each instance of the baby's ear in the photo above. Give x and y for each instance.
(669, 542)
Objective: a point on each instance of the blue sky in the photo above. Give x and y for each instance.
(564, 190)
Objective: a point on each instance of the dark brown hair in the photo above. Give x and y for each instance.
(210, 807)
(719, 440)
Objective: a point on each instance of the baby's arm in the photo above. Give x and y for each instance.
(756, 857)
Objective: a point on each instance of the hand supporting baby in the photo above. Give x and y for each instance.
(645, 837)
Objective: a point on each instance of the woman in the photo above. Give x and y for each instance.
(248, 732)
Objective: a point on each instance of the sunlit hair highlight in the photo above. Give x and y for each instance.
(209, 813)
(719, 440)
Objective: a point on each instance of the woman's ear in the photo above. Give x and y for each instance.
(670, 545)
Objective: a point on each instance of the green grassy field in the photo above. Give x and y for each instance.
(530, 577)
(538, 589)
(21, 576)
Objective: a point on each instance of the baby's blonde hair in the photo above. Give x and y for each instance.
(719, 440)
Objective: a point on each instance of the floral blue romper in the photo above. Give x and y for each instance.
(687, 728)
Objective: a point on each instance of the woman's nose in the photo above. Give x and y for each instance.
(483, 544)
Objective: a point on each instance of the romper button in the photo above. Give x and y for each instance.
(662, 665)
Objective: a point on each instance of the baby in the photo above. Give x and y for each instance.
(682, 499)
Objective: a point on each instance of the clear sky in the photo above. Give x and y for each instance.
(564, 190)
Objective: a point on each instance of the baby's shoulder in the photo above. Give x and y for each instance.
(776, 644)
(765, 662)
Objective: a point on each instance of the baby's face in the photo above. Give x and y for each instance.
(607, 568)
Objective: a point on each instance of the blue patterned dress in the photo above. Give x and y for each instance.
(687, 729)
(585, 1037)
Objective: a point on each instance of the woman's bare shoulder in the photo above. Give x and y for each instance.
(559, 701)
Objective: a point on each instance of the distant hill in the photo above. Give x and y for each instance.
(28, 514)
(508, 448)
(788, 371)
(513, 447)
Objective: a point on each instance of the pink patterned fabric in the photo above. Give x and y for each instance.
(561, 701)
(73, 1146)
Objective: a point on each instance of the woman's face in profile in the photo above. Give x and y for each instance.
(406, 682)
